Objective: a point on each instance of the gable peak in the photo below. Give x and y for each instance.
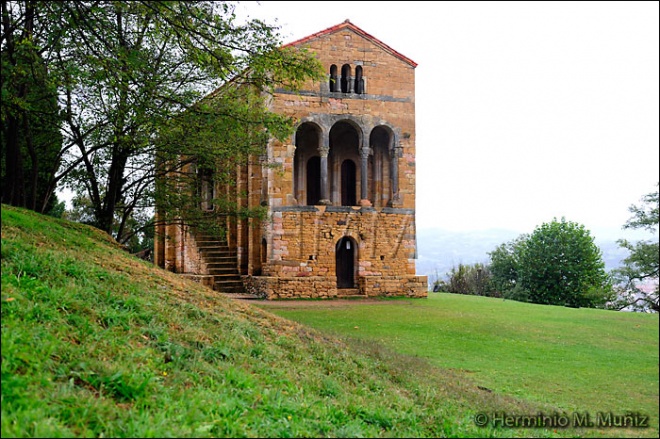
(347, 24)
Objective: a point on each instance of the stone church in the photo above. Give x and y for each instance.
(341, 196)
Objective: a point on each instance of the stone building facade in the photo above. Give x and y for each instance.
(340, 193)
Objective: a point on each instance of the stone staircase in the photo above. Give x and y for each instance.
(221, 263)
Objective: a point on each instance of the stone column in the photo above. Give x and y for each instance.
(364, 176)
(394, 173)
(324, 150)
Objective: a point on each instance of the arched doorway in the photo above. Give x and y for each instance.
(345, 253)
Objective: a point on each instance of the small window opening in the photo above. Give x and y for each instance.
(345, 78)
(359, 80)
(334, 79)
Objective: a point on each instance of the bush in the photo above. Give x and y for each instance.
(467, 279)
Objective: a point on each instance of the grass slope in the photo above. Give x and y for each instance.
(577, 360)
(98, 343)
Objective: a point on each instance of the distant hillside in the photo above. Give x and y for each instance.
(97, 343)
(439, 250)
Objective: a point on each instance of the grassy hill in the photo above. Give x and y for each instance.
(96, 342)
(582, 361)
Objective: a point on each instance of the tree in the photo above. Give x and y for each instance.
(131, 77)
(560, 265)
(31, 140)
(641, 266)
(504, 267)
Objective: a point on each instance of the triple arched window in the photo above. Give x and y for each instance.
(345, 173)
(345, 80)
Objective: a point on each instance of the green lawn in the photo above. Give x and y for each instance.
(579, 360)
(97, 343)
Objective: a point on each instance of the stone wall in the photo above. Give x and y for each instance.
(394, 286)
(325, 287)
(303, 241)
(293, 253)
(310, 287)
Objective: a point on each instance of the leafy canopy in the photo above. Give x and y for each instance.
(561, 265)
(130, 79)
(558, 264)
(641, 266)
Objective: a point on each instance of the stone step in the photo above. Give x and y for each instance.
(216, 250)
(222, 272)
(229, 280)
(220, 264)
(229, 286)
(350, 293)
(231, 268)
(222, 276)
(212, 243)
(218, 253)
(218, 258)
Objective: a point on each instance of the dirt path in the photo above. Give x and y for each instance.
(321, 303)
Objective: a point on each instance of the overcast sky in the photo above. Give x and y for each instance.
(525, 111)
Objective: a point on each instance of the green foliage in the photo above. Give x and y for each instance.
(31, 140)
(642, 265)
(131, 78)
(190, 150)
(504, 267)
(561, 265)
(558, 264)
(467, 279)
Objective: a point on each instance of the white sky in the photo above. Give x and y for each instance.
(526, 111)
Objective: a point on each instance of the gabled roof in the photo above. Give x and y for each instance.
(348, 25)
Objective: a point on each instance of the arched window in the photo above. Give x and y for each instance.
(344, 171)
(381, 185)
(359, 80)
(205, 188)
(334, 79)
(307, 165)
(346, 78)
(313, 180)
(348, 183)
